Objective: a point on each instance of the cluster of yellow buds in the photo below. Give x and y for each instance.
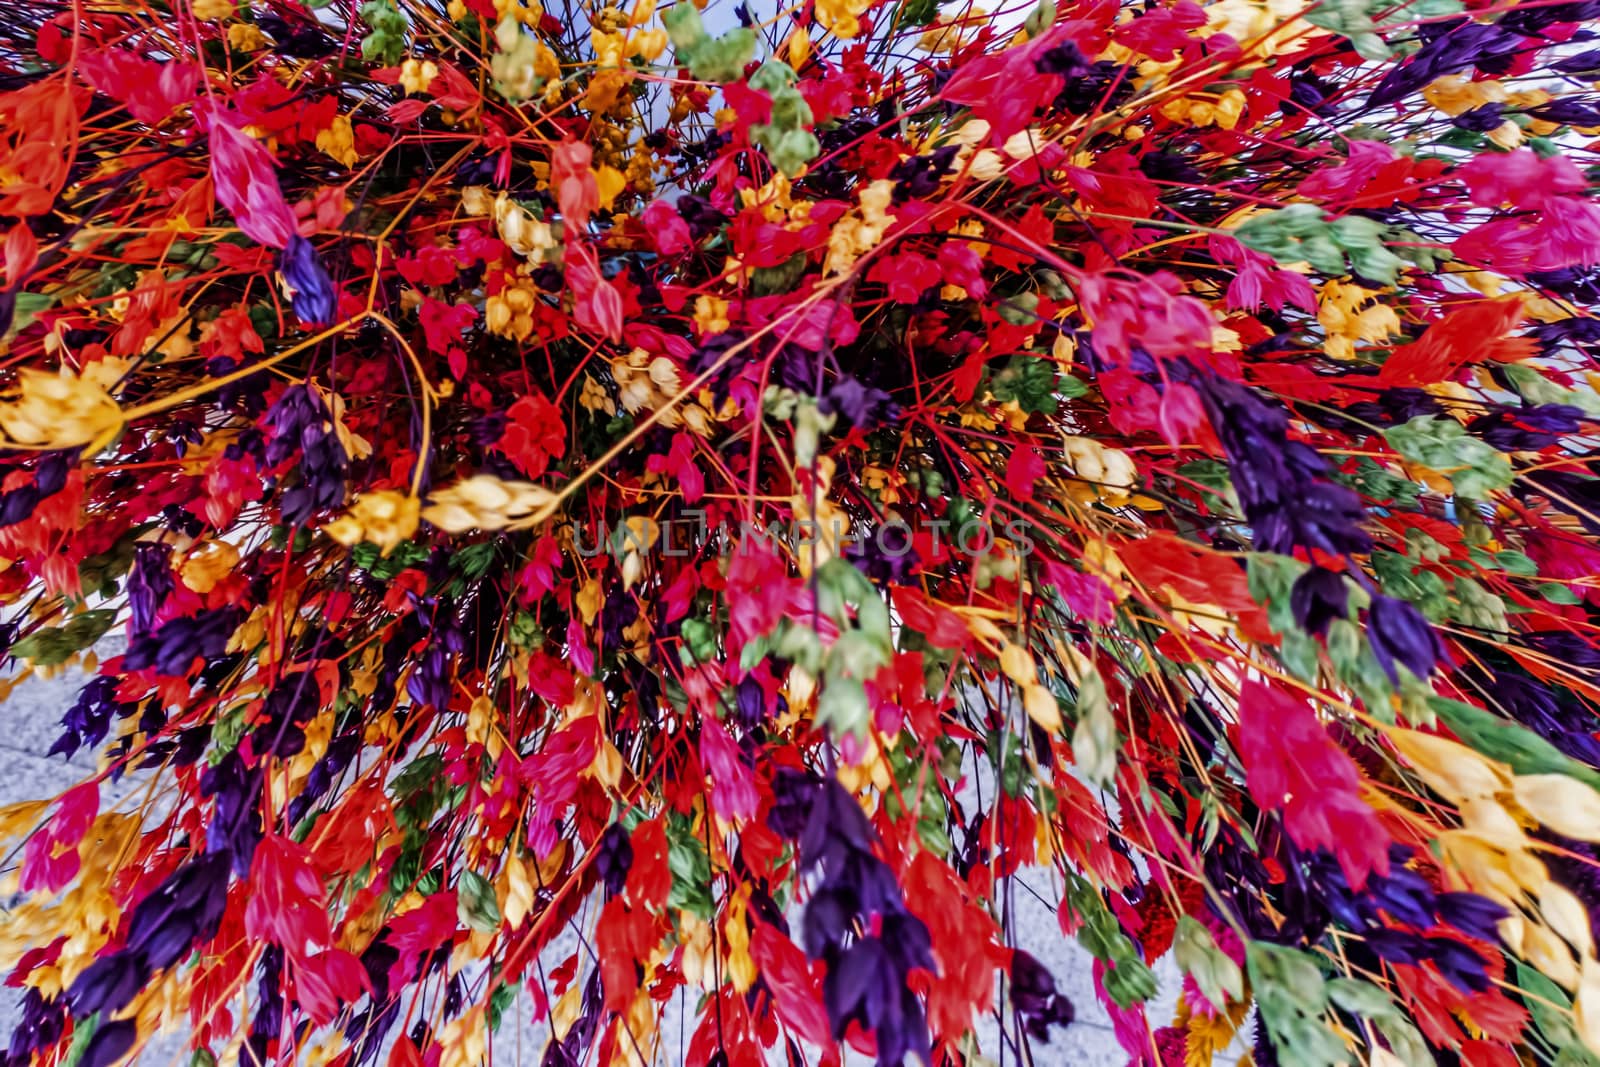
(83, 918)
(987, 164)
(339, 140)
(1207, 109)
(484, 502)
(524, 66)
(702, 947)
(206, 563)
(826, 523)
(520, 230)
(614, 44)
(648, 383)
(1108, 473)
(247, 37)
(465, 1039)
(509, 313)
(207, 10)
(948, 33)
(861, 229)
(885, 484)
(1491, 854)
(842, 17)
(1017, 664)
(1454, 95)
(711, 314)
(1262, 27)
(1350, 314)
(609, 142)
(592, 396)
(640, 171)
(523, 232)
(639, 534)
(63, 410)
(777, 204)
(385, 518)
(417, 74)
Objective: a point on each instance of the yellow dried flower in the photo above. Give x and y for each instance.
(385, 518)
(610, 183)
(741, 969)
(510, 312)
(593, 397)
(842, 17)
(862, 229)
(1265, 27)
(484, 502)
(465, 1040)
(947, 34)
(522, 233)
(417, 74)
(527, 12)
(62, 410)
(339, 140)
(1222, 110)
(1108, 473)
(647, 383)
(207, 564)
(1454, 94)
(247, 37)
(1350, 314)
(711, 314)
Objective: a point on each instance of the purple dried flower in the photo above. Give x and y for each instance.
(1282, 484)
(1400, 635)
(268, 1019)
(1319, 596)
(174, 646)
(750, 703)
(111, 1042)
(89, 719)
(615, 858)
(1453, 46)
(185, 909)
(619, 612)
(1034, 995)
(150, 582)
(836, 829)
(235, 827)
(864, 405)
(1481, 119)
(108, 984)
(49, 478)
(917, 177)
(866, 986)
(1551, 713)
(794, 794)
(1471, 914)
(1527, 429)
(1531, 20)
(1572, 493)
(300, 422)
(40, 1025)
(314, 299)
(885, 557)
(288, 707)
(1573, 650)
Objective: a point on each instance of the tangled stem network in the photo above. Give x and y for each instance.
(570, 517)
